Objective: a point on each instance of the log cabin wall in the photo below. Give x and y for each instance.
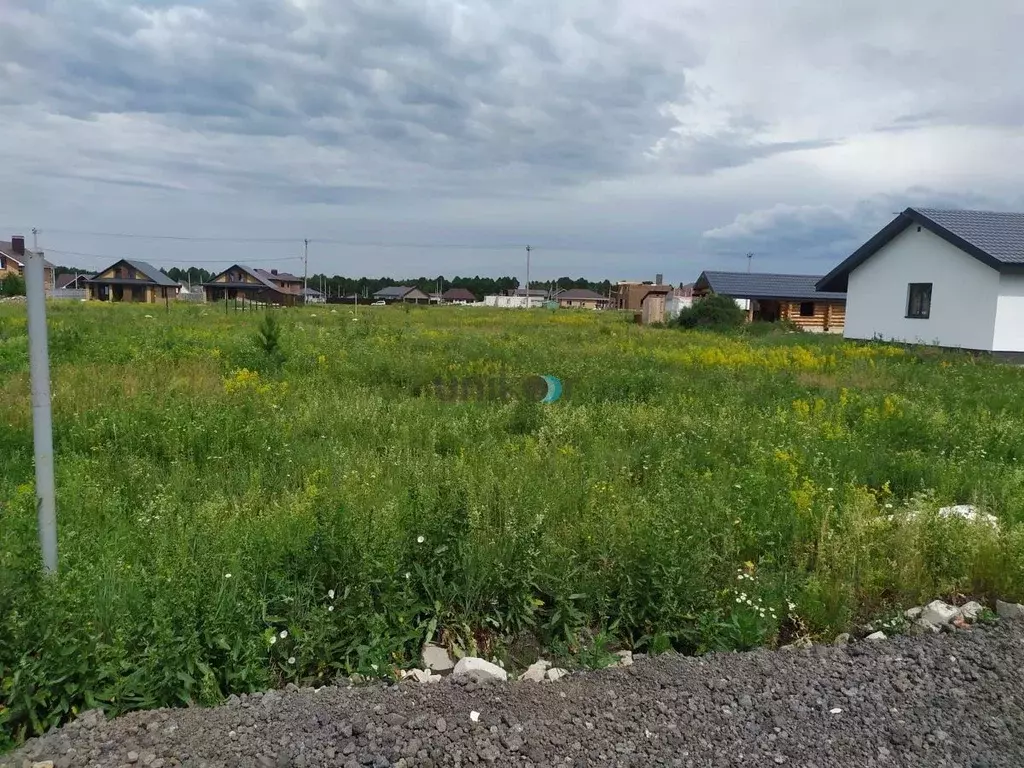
(826, 316)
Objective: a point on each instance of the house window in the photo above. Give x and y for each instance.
(806, 309)
(919, 300)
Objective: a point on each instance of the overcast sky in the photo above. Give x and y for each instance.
(620, 138)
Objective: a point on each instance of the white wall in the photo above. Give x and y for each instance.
(964, 294)
(1009, 335)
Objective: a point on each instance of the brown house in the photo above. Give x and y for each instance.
(581, 298)
(13, 263)
(131, 281)
(646, 300)
(259, 285)
(458, 296)
(773, 297)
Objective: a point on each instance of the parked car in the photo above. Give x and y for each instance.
(379, 304)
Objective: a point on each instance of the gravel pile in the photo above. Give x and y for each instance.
(949, 699)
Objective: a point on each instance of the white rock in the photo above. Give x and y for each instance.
(625, 658)
(938, 613)
(969, 611)
(479, 669)
(43, 764)
(1009, 610)
(876, 636)
(535, 672)
(835, 711)
(927, 626)
(970, 513)
(436, 658)
(913, 613)
(555, 674)
(474, 716)
(424, 676)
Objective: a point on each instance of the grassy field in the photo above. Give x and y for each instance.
(230, 522)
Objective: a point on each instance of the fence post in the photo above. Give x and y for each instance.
(42, 421)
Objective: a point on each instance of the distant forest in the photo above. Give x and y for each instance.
(367, 286)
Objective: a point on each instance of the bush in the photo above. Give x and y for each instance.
(715, 312)
(12, 285)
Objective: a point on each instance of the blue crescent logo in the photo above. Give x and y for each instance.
(554, 389)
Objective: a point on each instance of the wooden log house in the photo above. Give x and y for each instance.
(772, 297)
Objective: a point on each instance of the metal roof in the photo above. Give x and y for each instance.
(994, 238)
(458, 294)
(148, 271)
(581, 293)
(764, 285)
(394, 291)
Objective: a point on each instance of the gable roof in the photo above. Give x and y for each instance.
(394, 291)
(581, 293)
(7, 249)
(63, 281)
(147, 270)
(994, 238)
(255, 273)
(458, 294)
(764, 285)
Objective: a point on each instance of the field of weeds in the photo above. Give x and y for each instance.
(239, 510)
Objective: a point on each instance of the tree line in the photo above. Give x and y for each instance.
(338, 285)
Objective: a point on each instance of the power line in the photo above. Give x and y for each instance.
(171, 261)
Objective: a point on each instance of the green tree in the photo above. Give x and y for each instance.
(715, 312)
(12, 285)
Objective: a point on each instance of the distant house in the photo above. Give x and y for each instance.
(952, 278)
(129, 280)
(75, 282)
(313, 296)
(581, 298)
(13, 263)
(646, 300)
(458, 296)
(677, 300)
(258, 285)
(773, 297)
(401, 293)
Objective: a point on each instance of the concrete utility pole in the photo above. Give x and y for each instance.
(528, 249)
(42, 420)
(305, 269)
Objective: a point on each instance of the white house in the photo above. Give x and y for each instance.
(948, 278)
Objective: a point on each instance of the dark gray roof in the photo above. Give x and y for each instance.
(994, 238)
(65, 280)
(1000, 235)
(763, 285)
(249, 271)
(580, 293)
(394, 291)
(152, 273)
(7, 248)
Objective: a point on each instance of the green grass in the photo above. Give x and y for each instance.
(686, 483)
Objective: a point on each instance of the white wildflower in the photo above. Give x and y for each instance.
(330, 607)
(330, 593)
(791, 606)
(830, 489)
(420, 539)
(273, 639)
(227, 575)
(291, 659)
(284, 633)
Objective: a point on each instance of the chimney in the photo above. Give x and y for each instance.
(658, 279)
(273, 271)
(18, 245)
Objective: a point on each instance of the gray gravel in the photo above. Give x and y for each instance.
(941, 700)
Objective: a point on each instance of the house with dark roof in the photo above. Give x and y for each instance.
(401, 293)
(73, 282)
(770, 297)
(131, 280)
(581, 298)
(14, 256)
(239, 282)
(951, 278)
(458, 296)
